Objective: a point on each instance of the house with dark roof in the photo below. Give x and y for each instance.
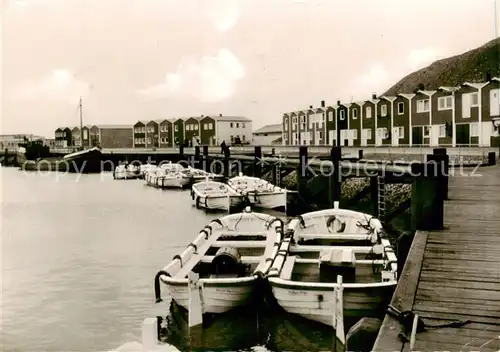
(268, 135)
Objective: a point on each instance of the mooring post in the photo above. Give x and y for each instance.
(360, 154)
(491, 158)
(257, 162)
(440, 157)
(197, 158)
(427, 201)
(335, 177)
(206, 163)
(226, 163)
(181, 152)
(302, 175)
(374, 194)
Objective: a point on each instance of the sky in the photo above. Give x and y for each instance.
(135, 60)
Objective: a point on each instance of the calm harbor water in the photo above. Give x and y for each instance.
(79, 254)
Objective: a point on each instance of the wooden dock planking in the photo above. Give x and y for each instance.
(459, 274)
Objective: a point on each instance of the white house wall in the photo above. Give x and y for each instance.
(225, 131)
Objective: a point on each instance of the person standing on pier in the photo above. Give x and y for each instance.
(223, 147)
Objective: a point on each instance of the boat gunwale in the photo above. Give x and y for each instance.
(169, 280)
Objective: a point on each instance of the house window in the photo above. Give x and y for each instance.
(474, 129)
(368, 133)
(355, 114)
(383, 110)
(474, 99)
(354, 134)
(196, 127)
(442, 131)
(423, 105)
(342, 115)
(368, 112)
(445, 103)
(401, 108)
(85, 134)
(243, 126)
(149, 140)
(176, 128)
(210, 126)
(231, 125)
(302, 119)
(237, 125)
(285, 127)
(401, 131)
(427, 131)
(330, 116)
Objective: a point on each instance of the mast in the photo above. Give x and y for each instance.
(81, 124)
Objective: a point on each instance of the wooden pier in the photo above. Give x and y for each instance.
(453, 274)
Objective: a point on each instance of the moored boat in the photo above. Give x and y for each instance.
(215, 196)
(126, 172)
(220, 269)
(145, 168)
(318, 248)
(259, 192)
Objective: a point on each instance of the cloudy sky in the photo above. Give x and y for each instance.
(150, 59)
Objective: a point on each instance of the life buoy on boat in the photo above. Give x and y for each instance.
(197, 202)
(192, 194)
(332, 220)
(227, 261)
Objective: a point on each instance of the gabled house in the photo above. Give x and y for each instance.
(294, 128)
(178, 125)
(286, 128)
(385, 117)
(342, 123)
(140, 134)
(303, 135)
(331, 117)
(192, 135)
(232, 129)
(208, 131)
(490, 98)
(421, 112)
(165, 133)
(468, 113)
(369, 116)
(355, 122)
(443, 116)
(401, 112)
(75, 136)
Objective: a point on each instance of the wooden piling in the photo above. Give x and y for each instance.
(206, 162)
(427, 201)
(360, 154)
(257, 162)
(492, 159)
(226, 163)
(302, 176)
(439, 156)
(197, 157)
(335, 177)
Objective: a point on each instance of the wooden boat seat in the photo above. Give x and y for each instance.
(337, 261)
(334, 236)
(244, 259)
(287, 269)
(240, 244)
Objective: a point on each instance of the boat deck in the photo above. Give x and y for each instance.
(454, 274)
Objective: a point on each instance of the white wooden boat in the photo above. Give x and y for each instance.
(126, 172)
(215, 196)
(220, 269)
(167, 175)
(259, 192)
(317, 248)
(196, 175)
(147, 168)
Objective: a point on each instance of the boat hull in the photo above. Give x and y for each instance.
(217, 297)
(270, 200)
(125, 175)
(217, 202)
(85, 162)
(316, 303)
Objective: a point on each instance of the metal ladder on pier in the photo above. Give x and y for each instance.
(278, 175)
(381, 198)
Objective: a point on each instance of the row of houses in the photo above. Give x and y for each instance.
(203, 130)
(458, 116)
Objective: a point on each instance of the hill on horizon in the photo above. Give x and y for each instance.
(471, 66)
